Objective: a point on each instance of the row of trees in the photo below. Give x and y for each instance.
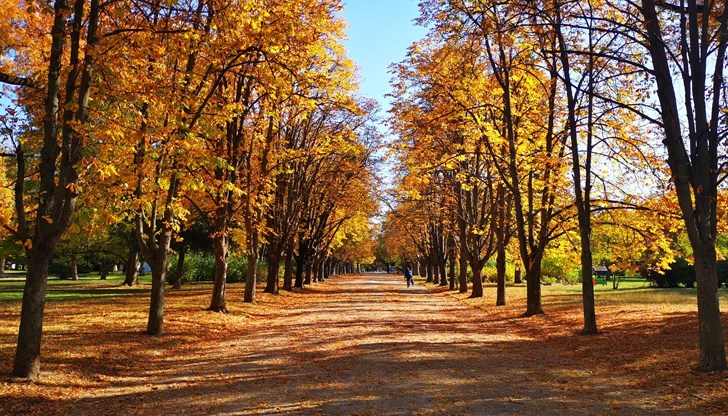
(522, 123)
(156, 114)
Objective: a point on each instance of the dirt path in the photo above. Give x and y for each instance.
(367, 345)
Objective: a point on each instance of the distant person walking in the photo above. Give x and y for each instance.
(408, 276)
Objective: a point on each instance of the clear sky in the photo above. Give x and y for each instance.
(379, 33)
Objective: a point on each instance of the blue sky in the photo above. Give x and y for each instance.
(379, 33)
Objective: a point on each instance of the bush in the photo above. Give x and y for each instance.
(200, 267)
(553, 270)
(680, 274)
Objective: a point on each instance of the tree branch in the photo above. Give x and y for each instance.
(19, 81)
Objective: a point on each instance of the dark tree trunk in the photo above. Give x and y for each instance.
(442, 261)
(74, 267)
(435, 267)
(272, 280)
(301, 260)
(463, 273)
(320, 272)
(587, 287)
(477, 281)
(218, 303)
(180, 272)
(309, 269)
(155, 323)
(695, 174)
(451, 262)
(27, 355)
(288, 269)
(712, 349)
(104, 270)
(582, 195)
(58, 170)
(500, 266)
(428, 270)
(251, 278)
(533, 289)
(517, 275)
(132, 269)
(2, 266)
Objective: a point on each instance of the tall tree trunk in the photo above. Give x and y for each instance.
(321, 267)
(443, 271)
(582, 195)
(463, 273)
(180, 272)
(308, 269)
(435, 267)
(477, 280)
(27, 354)
(57, 193)
(695, 175)
(712, 349)
(274, 265)
(2, 266)
(451, 273)
(533, 289)
(517, 275)
(74, 266)
(301, 260)
(251, 277)
(500, 266)
(288, 268)
(428, 270)
(104, 270)
(132, 268)
(155, 323)
(218, 303)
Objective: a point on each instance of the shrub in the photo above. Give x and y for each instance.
(200, 267)
(552, 270)
(680, 274)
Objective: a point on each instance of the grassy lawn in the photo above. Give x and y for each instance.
(87, 286)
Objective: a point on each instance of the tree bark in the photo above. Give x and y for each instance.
(272, 280)
(74, 267)
(451, 262)
(104, 270)
(218, 302)
(533, 289)
(132, 268)
(288, 269)
(2, 266)
(251, 277)
(712, 348)
(695, 174)
(27, 354)
(308, 271)
(155, 323)
(500, 266)
(477, 281)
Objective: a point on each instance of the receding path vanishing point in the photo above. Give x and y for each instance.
(368, 345)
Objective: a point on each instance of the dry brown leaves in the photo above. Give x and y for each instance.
(360, 345)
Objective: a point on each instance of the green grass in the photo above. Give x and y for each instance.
(634, 290)
(87, 286)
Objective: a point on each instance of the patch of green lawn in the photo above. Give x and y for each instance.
(87, 286)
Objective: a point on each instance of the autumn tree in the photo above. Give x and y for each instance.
(687, 44)
(61, 87)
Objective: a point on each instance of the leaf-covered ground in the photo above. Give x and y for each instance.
(361, 345)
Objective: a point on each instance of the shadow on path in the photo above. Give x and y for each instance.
(364, 345)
